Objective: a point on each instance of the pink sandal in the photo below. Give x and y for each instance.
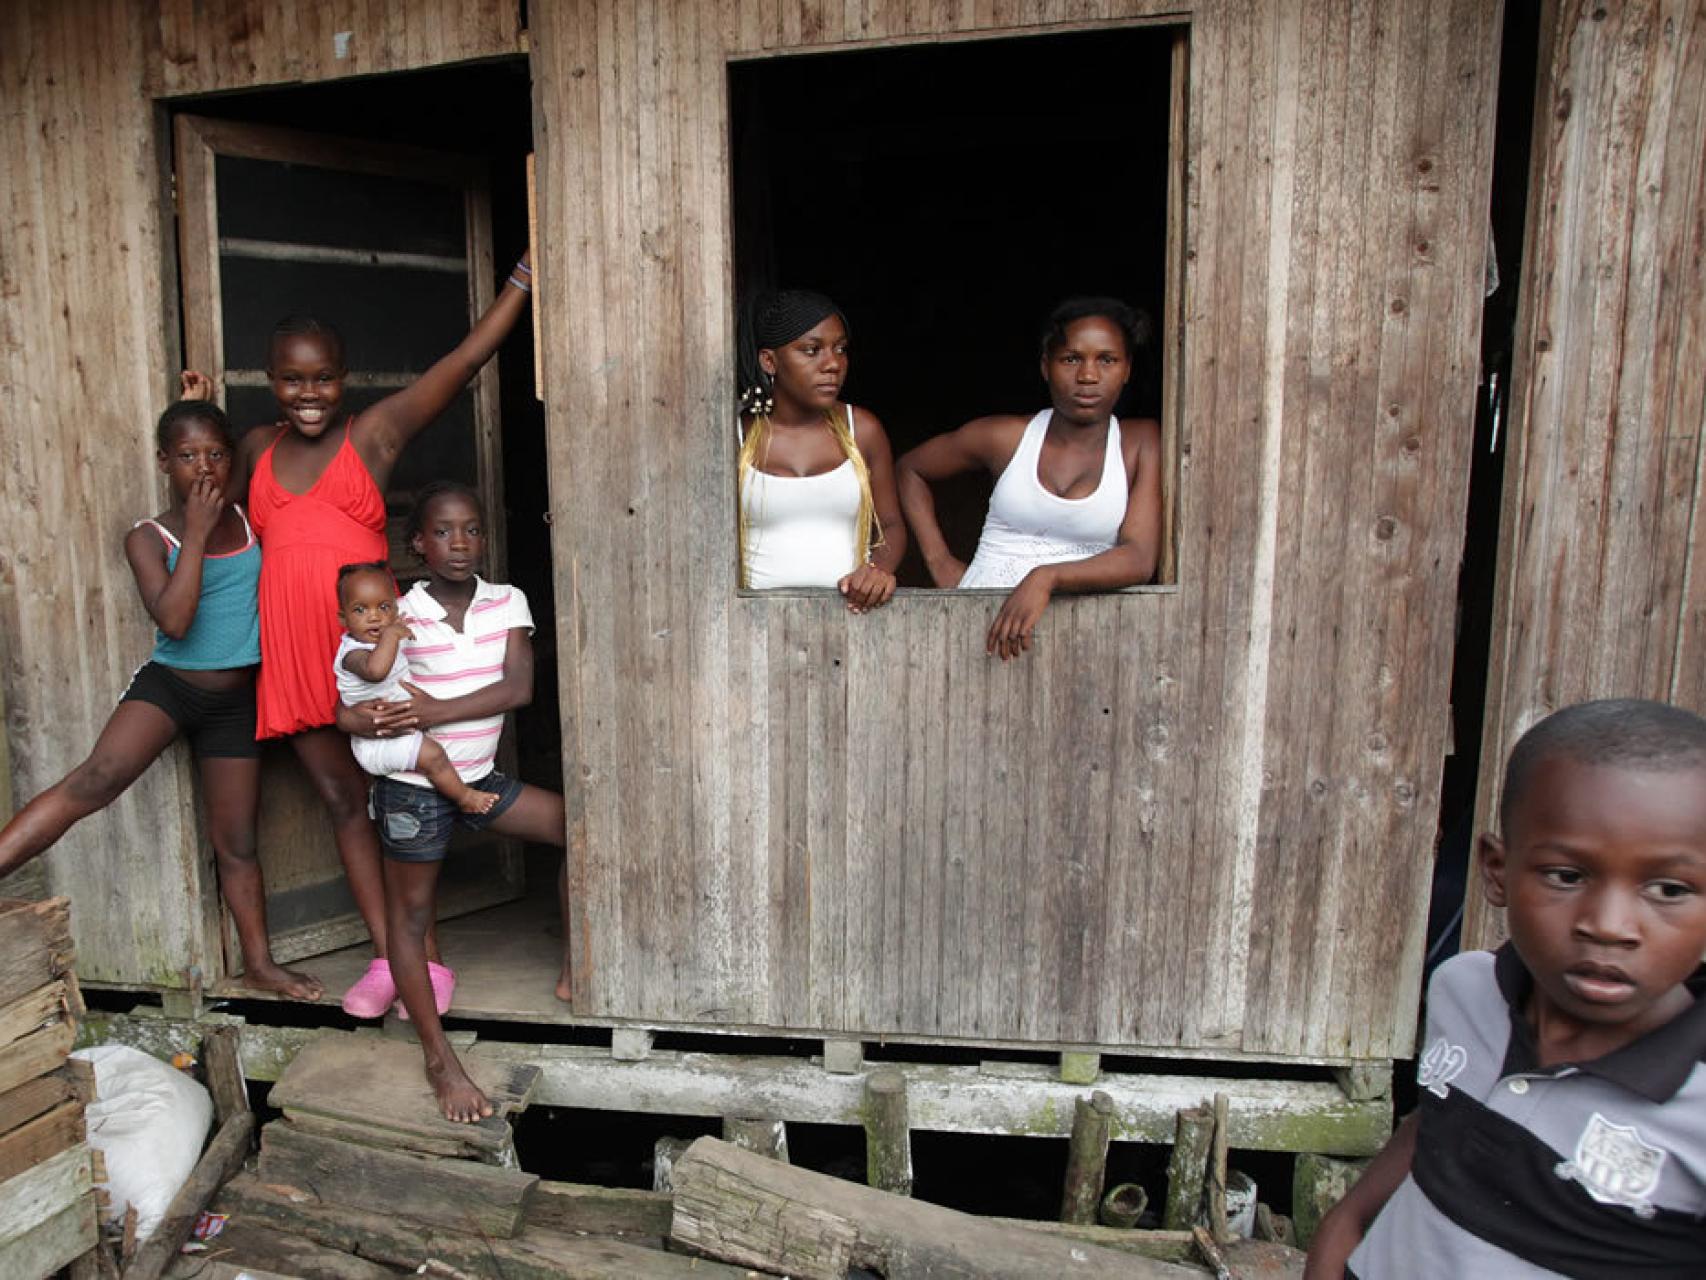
(443, 979)
(372, 993)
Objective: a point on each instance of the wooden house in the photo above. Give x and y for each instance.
(1198, 820)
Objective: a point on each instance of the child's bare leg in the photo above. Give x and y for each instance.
(231, 786)
(134, 738)
(410, 896)
(537, 817)
(435, 766)
(342, 786)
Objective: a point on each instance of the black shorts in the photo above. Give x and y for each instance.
(217, 722)
(415, 823)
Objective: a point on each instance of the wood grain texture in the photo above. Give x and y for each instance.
(1194, 818)
(84, 371)
(206, 47)
(1599, 590)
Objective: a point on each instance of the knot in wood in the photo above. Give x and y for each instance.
(1384, 528)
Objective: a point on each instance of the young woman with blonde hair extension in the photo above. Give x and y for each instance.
(816, 498)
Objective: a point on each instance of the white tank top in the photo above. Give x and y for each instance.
(800, 529)
(1028, 526)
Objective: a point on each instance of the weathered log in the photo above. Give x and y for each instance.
(1211, 1253)
(222, 1063)
(755, 1212)
(665, 1152)
(1187, 1168)
(888, 1134)
(1123, 1206)
(765, 1137)
(461, 1194)
(1216, 1190)
(1087, 1158)
(1167, 1246)
(535, 1254)
(1317, 1184)
(256, 1248)
(223, 1157)
(599, 1211)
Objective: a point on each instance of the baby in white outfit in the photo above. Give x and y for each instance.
(370, 664)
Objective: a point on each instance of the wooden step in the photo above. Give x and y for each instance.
(372, 1090)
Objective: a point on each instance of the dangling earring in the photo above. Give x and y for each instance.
(758, 400)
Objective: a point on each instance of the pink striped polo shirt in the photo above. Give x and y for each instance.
(448, 663)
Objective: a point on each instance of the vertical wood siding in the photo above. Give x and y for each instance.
(1600, 591)
(1200, 818)
(204, 46)
(84, 372)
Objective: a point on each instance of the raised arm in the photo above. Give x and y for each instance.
(1130, 561)
(983, 444)
(380, 433)
(171, 596)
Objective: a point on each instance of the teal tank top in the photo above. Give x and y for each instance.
(226, 629)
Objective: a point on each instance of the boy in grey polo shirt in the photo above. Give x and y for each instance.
(1562, 1125)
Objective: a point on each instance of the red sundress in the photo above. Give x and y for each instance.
(305, 539)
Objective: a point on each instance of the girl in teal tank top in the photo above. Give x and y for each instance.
(196, 566)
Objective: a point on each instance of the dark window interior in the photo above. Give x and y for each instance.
(947, 196)
(413, 315)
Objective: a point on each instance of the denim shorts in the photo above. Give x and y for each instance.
(415, 823)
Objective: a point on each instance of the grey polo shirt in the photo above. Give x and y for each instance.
(1591, 1169)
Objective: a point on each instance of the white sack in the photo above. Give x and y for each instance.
(149, 1121)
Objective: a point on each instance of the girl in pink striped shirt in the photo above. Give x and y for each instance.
(470, 660)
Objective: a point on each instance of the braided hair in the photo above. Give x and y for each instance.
(771, 320)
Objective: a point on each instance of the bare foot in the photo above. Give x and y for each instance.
(458, 1096)
(287, 982)
(476, 801)
(565, 993)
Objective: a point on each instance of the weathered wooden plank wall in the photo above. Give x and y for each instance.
(1192, 819)
(203, 46)
(1599, 591)
(83, 374)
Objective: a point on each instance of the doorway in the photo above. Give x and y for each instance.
(388, 206)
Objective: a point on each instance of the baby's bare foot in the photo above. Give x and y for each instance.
(287, 982)
(476, 801)
(458, 1097)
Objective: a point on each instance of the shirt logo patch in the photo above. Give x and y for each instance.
(1615, 1166)
(1440, 1065)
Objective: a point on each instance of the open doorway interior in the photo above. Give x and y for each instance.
(947, 196)
(388, 206)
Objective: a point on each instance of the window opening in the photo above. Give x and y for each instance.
(947, 196)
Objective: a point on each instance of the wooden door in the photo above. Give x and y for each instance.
(393, 246)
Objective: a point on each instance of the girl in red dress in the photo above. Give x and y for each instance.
(315, 489)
